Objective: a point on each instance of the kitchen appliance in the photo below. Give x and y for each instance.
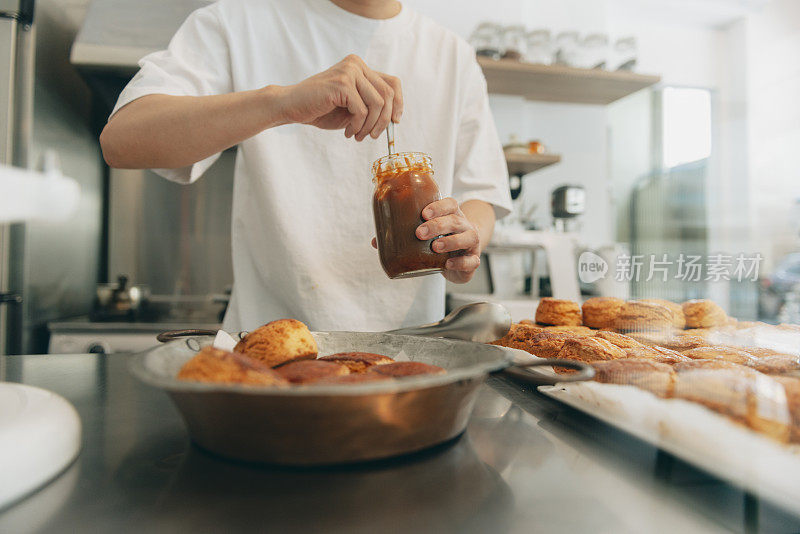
(47, 271)
(119, 301)
(567, 203)
(345, 423)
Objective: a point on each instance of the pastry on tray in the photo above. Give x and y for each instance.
(557, 312)
(638, 316)
(600, 312)
(357, 362)
(644, 373)
(218, 366)
(309, 371)
(776, 364)
(590, 349)
(718, 352)
(620, 340)
(279, 342)
(678, 319)
(703, 313)
(754, 400)
(791, 387)
(403, 369)
(657, 354)
(694, 365)
(577, 330)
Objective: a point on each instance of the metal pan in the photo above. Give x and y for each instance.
(334, 424)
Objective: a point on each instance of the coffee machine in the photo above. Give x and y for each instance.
(567, 203)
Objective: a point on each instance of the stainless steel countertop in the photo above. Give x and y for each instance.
(526, 464)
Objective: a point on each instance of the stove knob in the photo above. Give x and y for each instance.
(98, 348)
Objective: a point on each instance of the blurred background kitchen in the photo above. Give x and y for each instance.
(634, 129)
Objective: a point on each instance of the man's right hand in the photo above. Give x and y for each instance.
(348, 95)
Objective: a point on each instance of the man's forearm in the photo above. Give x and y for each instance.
(164, 131)
(481, 214)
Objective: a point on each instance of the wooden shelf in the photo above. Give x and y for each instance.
(525, 163)
(557, 83)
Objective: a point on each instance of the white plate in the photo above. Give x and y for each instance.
(40, 435)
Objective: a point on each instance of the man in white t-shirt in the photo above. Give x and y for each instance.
(269, 76)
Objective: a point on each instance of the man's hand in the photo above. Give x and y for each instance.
(348, 95)
(459, 235)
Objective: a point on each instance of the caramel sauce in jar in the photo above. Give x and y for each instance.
(404, 186)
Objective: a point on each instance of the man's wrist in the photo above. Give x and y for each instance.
(272, 100)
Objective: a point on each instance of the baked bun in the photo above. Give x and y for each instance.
(279, 342)
(518, 333)
(703, 314)
(590, 349)
(637, 316)
(657, 378)
(679, 321)
(546, 344)
(657, 354)
(357, 362)
(729, 354)
(620, 340)
(309, 371)
(401, 369)
(600, 312)
(557, 312)
(219, 366)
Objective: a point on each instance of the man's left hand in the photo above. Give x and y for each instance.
(459, 236)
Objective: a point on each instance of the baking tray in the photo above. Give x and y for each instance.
(694, 434)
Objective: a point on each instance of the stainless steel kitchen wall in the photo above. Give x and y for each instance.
(57, 265)
(174, 238)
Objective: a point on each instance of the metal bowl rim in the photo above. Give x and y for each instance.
(137, 366)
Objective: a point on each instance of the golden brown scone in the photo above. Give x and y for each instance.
(354, 378)
(357, 362)
(754, 400)
(600, 312)
(558, 312)
(309, 371)
(401, 369)
(777, 364)
(657, 354)
(657, 378)
(620, 340)
(218, 366)
(679, 321)
(703, 313)
(590, 349)
(791, 386)
(278, 342)
(673, 340)
(546, 344)
(577, 330)
(728, 354)
(638, 316)
(518, 335)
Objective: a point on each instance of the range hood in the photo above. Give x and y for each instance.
(117, 33)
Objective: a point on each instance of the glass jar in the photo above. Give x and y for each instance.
(514, 43)
(487, 40)
(540, 47)
(593, 52)
(404, 185)
(566, 48)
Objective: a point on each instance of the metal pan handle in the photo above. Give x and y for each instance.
(163, 337)
(522, 371)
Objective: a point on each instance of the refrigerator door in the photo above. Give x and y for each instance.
(9, 28)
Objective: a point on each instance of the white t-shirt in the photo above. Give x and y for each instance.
(302, 214)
